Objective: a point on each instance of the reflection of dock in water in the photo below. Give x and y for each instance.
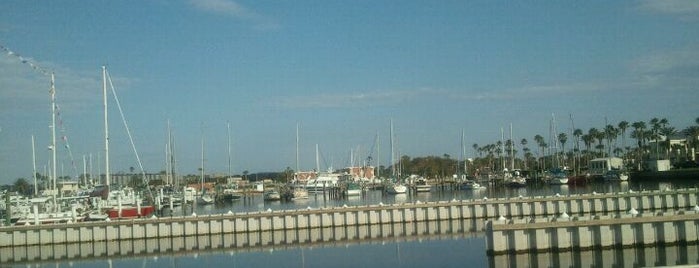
(245, 242)
(615, 257)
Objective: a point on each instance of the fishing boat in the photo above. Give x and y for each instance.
(616, 175)
(421, 185)
(353, 188)
(396, 188)
(557, 176)
(515, 179)
(271, 195)
(471, 185)
(299, 193)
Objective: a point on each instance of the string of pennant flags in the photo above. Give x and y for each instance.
(44, 72)
(25, 60)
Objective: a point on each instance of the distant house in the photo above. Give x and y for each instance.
(677, 151)
(600, 166)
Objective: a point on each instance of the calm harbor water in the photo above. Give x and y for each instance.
(437, 244)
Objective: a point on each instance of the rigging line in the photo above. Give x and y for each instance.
(123, 119)
(128, 132)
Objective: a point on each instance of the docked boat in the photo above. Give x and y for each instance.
(515, 179)
(557, 177)
(353, 188)
(421, 185)
(272, 195)
(578, 179)
(471, 185)
(323, 182)
(396, 188)
(616, 175)
(299, 193)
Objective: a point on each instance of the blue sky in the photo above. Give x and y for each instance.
(340, 69)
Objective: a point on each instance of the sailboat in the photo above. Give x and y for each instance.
(121, 203)
(393, 185)
(204, 197)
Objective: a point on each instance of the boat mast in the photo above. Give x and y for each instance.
(34, 167)
(393, 160)
(106, 127)
(378, 155)
(297, 153)
(512, 150)
(228, 127)
(463, 150)
(202, 158)
(317, 160)
(53, 136)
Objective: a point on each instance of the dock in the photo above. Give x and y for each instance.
(586, 212)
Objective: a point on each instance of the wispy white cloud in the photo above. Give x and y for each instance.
(235, 10)
(359, 99)
(671, 70)
(684, 9)
(26, 90)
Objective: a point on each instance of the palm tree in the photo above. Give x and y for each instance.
(562, 138)
(610, 133)
(540, 142)
(667, 132)
(524, 142)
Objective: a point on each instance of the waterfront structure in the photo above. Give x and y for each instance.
(349, 217)
(563, 232)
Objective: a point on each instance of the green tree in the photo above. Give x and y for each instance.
(22, 186)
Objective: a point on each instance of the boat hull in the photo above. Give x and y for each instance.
(130, 212)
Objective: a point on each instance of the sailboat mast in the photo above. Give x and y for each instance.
(297, 149)
(53, 135)
(502, 143)
(512, 150)
(463, 149)
(228, 127)
(36, 190)
(106, 127)
(378, 155)
(393, 162)
(202, 157)
(317, 160)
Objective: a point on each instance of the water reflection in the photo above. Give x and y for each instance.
(619, 257)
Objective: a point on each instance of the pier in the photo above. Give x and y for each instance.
(565, 233)
(510, 219)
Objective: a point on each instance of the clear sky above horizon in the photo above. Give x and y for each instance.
(340, 69)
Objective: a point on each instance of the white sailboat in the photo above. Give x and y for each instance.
(204, 197)
(394, 186)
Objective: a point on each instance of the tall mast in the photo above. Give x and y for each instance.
(317, 160)
(393, 162)
(378, 155)
(36, 191)
(463, 149)
(502, 143)
(106, 127)
(228, 127)
(53, 135)
(297, 148)
(202, 157)
(512, 150)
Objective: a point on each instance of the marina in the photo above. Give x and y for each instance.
(323, 220)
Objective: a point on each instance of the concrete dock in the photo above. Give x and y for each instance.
(565, 233)
(350, 217)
